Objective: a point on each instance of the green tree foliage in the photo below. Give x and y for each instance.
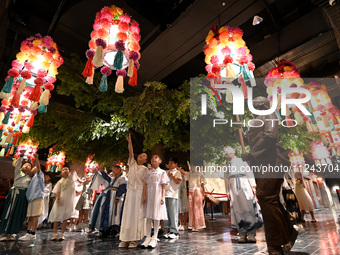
(93, 122)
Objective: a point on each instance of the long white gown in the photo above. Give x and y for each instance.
(63, 209)
(133, 222)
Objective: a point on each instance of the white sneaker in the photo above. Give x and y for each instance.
(26, 237)
(153, 243)
(54, 237)
(173, 236)
(3, 238)
(12, 237)
(146, 242)
(181, 228)
(166, 235)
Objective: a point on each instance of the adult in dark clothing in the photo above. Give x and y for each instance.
(265, 150)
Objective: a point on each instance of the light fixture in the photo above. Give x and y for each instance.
(114, 46)
(257, 20)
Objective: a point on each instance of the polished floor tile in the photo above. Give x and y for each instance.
(314, 238)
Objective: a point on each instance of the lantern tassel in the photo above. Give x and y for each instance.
(35, 95)
(26, 130)
(15, 100)
(30, 121)
(42, 108)
(131, 68)
(18, 118)
(9, 138)
(2, 116)
(289, 121)
(7, 151)
(6, 90)
(21, 86)
(120, 84)
(98, 57)
(89, 80)
(88, 70)
(118, 62)
(6, 119)
(133, 79)
(298, 118)
(12, 150)
(229, 97)
(103, 83)
(45, 97)
(2, 152)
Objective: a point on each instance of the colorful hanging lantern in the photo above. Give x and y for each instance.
(320, 153)
(55, 161)
(286, 75)
(297, 160)
(30, 147)
(227, 56)
(90, 165)
(114, 45)
(27, 88)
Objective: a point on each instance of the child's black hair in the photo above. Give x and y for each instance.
(174, 159)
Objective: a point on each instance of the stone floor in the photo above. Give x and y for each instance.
(318, 238)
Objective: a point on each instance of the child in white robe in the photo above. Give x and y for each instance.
(154, 200)
(133, 222)
(64, 205)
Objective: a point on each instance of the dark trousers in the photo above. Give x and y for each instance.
(278, 223)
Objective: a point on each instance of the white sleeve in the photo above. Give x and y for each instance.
(98, 180)
(18, 166)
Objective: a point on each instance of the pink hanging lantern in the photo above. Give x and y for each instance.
(114, 45)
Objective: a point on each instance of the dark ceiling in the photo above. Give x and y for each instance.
(306, 32)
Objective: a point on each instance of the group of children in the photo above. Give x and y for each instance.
(128, 205)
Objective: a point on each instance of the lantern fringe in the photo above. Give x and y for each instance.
(15, 100)
(33, 105)
(229, 96)
(289, 121)
(309, 127)
(2, 116)
(3, 141)
(12, 150)
(42, 108)
(26, 130)
(30, 121)
(8, 85)
(298, 118)
(325, 121)
(7, 151)
(35, 95)
(120, 84)
(103, 83)
(230, 73)
(9, 138)
(6, 118)
(18, 118)
(131, 68)
(2, 152)
(88, 70)
(4, 95)
(133, 79)
(21, 86)
(45, 97)
(118, 61)
(98, 57)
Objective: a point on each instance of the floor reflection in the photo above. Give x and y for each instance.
(314, 238)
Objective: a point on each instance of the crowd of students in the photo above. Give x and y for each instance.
(127, 205)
